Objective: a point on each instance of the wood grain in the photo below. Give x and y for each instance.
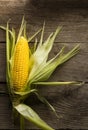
(66, 13)
(71, 32)
(70, 102)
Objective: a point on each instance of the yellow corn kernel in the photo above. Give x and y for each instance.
(20, 68)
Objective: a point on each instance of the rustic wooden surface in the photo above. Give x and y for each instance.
(70, 102)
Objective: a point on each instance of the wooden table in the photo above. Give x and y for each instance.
(71, 102)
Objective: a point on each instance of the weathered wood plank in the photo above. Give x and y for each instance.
(36, 14)
(74, 20)
(3, 89)
(5, 113)
(43, 3)
(71, 31)
(45, 9)
(2, 63)
(75, 69)
(70, 103)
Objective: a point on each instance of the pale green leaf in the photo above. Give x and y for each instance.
(42, 35)
(59, 83)
(41, 54)
(51, 65)
(11, 39)
(7, 52)
(33, 36)
(35, 44)
(22, 123)
(24, 30)
(42, 99)
(32, 116)
(21, 29)
(43, 50)
(25, 92)
(42, 66)
(13, 42)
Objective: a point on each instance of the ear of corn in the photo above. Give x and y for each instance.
(20, 64)
(27, 68)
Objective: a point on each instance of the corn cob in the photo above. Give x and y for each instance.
(20, 64)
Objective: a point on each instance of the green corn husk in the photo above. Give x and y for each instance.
(41, 70)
